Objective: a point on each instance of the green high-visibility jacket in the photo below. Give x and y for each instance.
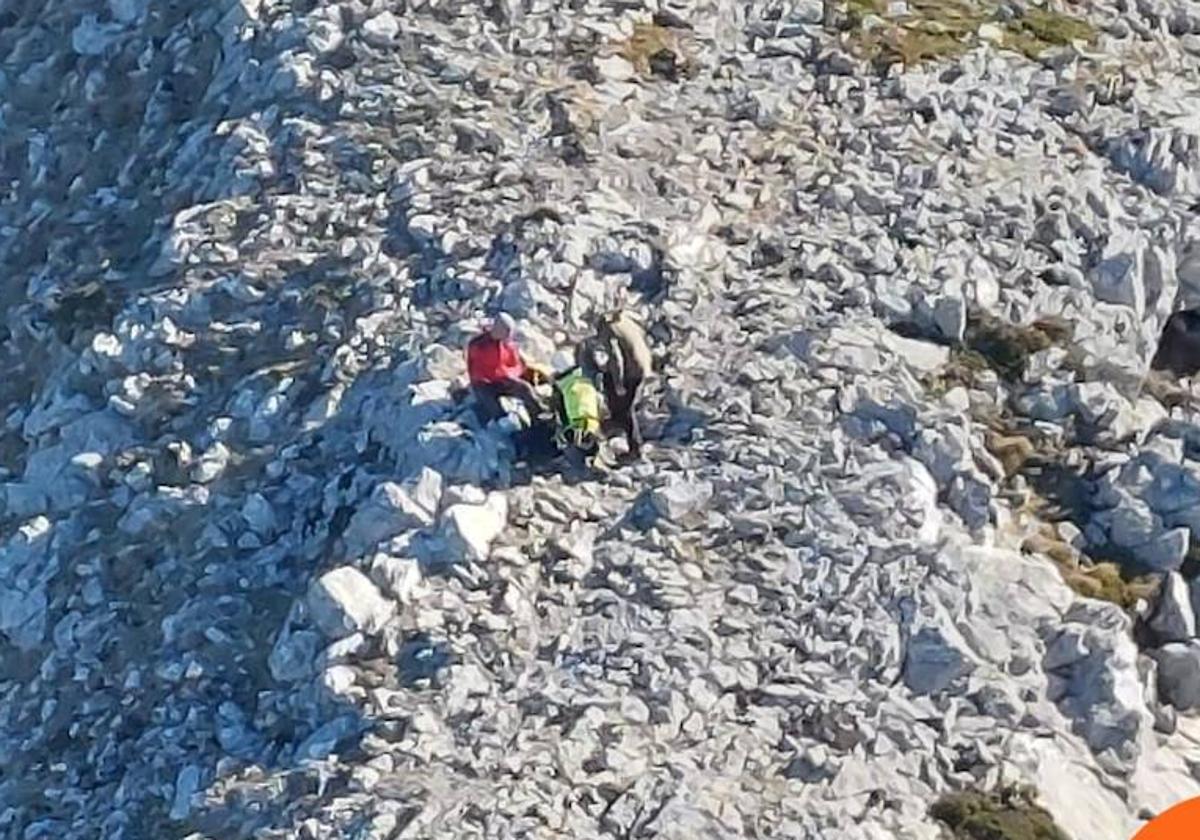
(580, 401)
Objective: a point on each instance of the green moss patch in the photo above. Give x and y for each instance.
(1007, 814)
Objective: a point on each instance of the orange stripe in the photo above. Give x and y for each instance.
(1180, 823)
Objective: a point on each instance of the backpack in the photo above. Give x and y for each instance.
(579, 409)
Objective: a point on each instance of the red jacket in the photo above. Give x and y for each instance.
(489, 360)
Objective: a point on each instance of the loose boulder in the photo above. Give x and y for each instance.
(345, 601)
(392, 509)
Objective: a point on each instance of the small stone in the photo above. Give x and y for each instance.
(326, 739)
(259, 515)
(950, 317)
(615, 68)
(400, 577)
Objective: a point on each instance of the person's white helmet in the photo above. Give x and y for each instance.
(562, 360)
(503, 326)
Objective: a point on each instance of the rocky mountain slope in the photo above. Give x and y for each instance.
(264, 575)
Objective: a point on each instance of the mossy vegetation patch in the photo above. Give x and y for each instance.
(994, 344)
(930, 30)
(1007, 347)
(1101, 580)
(1010, 813)
(658, 51)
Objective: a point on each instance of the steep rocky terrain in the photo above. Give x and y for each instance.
(915, 516)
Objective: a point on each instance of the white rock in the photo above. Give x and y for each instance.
(1100, 687)
(338, 679)
(325, 33)
(922, 355)
(400, 577)
(382, 29)
(345, 601)
(680, 497)
(615, 68)
(470, 530)
(392, 509)
(211, 464)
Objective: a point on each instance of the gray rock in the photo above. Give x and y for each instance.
(932, 665)
(23, 616)
(322, 743)
(259, 515)
(92, 38)
(1179, 674)
(345, 601)
(950, 317)
(1173, 619)
(187, 783)
(1167, 552)
(292, 655)
(1099, 686)
(680, 498)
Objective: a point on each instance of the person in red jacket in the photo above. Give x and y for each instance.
(496, 369)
